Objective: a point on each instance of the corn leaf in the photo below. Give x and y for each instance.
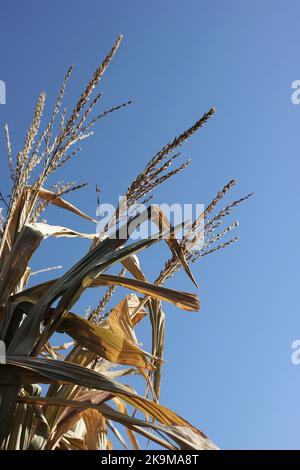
(104, 342)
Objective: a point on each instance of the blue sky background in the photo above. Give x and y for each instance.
(229, 367)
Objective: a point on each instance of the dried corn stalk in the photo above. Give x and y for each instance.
(85, 402)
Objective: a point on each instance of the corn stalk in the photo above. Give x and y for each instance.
(84, 401)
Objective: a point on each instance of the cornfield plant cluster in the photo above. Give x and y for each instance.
(84, 403)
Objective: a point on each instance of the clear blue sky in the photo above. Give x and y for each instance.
(229, 369)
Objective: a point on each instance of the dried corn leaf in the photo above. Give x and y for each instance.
(37, 370)
(93, 421)
(122, 408)
(104, 342)
(184, 300)
(166, 231)
(17, 260)
(58, 231)
(52, 198)
(186, 436)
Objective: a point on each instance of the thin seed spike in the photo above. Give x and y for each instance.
(88, 111)
(62, 120)
(9, 152)
(221, 234)
(149, 178)
(58, 104)
(95, 314)
(181, 138)
(93, 82)
(45, 270)
(68, 157)
(219, 247)
(33, 130)
(227, 210)
(219, 196)
(105, 113)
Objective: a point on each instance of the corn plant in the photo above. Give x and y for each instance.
(70, 396)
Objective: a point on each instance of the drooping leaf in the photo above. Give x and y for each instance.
(17, 260)
(52, 198)
(104, 342)
(58, 231)
(36, 370)
(184, 300)
(185, 436)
